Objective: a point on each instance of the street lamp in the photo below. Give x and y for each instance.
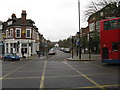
(72, 45)
(79, 29)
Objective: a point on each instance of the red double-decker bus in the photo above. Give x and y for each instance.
(110, 40)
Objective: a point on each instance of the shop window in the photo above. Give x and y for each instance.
(24, 49)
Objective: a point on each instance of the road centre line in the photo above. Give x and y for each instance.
(85, 76)
(14, 70)
(43, 76)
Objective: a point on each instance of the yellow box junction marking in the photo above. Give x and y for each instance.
(85, 76)
(43, 76)
(32, 77)
(14, 70)
(101, 86)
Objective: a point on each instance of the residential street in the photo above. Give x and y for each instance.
(56, 72)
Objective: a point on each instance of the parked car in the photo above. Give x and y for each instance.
(11, 57)
(1, 57)
(62, 49)
(67, 50)
(51, 52)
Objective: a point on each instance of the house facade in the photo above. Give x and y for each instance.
(1, 39)
(109, 11)
(21, 35)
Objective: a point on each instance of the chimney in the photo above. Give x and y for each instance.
(23, 17)
(13, 16)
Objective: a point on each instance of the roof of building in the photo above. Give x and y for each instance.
(18, 22)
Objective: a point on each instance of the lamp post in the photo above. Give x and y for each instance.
(72, 45)
(89, 47)
(79, 29)
(28, 49)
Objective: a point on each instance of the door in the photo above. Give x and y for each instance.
(104, 53)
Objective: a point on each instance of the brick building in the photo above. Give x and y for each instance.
(1, 39)
(21, 34)
(109, 11)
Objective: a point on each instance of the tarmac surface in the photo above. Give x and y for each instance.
(56, 73)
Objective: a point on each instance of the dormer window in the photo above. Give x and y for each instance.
(9, 22)
(101, 14)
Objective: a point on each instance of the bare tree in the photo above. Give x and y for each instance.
(94, 7)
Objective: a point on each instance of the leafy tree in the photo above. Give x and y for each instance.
(94, 7)
(66, 43)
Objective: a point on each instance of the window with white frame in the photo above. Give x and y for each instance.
(33, 34)
(98, 26)
(1, 26)
(18, 33)
(11, 33)
(28, 33)
(7, 33)
(6, 47)
(9, 23)
(92, 27)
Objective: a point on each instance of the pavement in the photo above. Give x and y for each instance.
(85, 57)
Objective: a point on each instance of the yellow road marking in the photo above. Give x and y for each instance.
(14, 70)
(85, 76)
(100, 86)
(53, 76)
(21, 77)
(43, 76)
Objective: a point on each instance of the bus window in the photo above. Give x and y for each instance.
(119, 23)
(115, 46)
(110, 25)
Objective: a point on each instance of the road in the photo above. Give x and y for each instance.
(57, 73)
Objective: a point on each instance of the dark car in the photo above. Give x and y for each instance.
(11, 57)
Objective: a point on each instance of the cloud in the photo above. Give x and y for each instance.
(56, 19)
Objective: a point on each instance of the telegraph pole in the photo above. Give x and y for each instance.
(79, 29)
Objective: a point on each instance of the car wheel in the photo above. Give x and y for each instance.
(10, 59)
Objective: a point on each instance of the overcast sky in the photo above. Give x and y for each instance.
(56, 19)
